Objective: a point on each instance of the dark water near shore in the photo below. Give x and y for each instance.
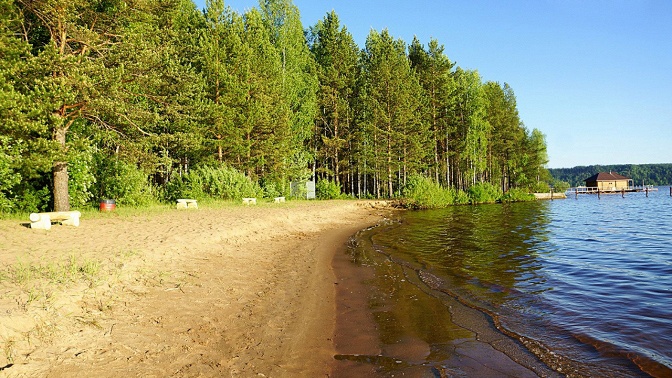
(584, 285)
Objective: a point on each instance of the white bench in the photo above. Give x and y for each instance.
(249, 201)
(42, 221)
(184, 203)
(279, 199)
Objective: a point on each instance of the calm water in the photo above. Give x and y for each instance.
(585, 284)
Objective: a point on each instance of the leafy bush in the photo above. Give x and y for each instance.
(33, 200)
(325, 189)
(220, 182)
(484, 193)
(517, 195)
(8, 177)
(123, 182)
(541, 187)
(460, 197)
(81, 178)
(423, 193)
(271, 188)
(560, 186)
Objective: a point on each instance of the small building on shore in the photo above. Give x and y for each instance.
(609, 181)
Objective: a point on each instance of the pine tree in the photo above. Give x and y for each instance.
(155, 103)
(507, 135)
(264, 117)
(392, 100)
(220, 46)
(471, 131)
(70, 40)
(299, 82)
(434, 71)
(336, 55)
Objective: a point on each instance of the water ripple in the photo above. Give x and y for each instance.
(591, 277)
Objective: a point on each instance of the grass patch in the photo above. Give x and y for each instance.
(72, 270)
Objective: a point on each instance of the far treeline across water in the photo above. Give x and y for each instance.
(147, 100)
(646, 174)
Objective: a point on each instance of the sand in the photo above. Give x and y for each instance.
(233, 291)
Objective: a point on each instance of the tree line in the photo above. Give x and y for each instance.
(130, 99)
(646, 174)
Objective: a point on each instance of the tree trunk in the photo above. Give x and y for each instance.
(60, 171)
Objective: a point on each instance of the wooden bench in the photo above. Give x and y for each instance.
(184, 203)
(42, 221)
(279, 199)
(249, 201)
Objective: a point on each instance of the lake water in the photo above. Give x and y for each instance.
(583, 284)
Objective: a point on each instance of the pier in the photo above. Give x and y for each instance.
(599, 191)
(596, 190)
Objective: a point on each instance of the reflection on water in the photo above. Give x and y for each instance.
(585, 285)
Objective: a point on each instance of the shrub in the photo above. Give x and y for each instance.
(484, 193)
(422, 193)
(81, 178)
(9, 178)
(218, 182)
(33, 200)
(517, 195)
(123, 182)
(560, 186)
(541, 187)
(271, 188)
(460, 197)
(325, 189)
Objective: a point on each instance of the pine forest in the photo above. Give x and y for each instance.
(146, 101)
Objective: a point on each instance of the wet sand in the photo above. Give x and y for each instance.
(390, 323)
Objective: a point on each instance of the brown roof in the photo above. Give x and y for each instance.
(606, 176)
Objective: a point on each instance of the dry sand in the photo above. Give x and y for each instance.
(237, 291)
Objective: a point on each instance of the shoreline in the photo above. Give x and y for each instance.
(389, 323)
(240, 291)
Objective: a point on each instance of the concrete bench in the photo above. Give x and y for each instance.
(249, 201)
(279, 199)
(184, 203)
(42, 221)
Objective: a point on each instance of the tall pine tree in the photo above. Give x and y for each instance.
(336, 55)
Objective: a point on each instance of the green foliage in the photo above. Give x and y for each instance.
(460, 197)
(391, 101)
(423, 193)
(325, 189)
(131, 97)
(559, 186)
(540, 187)
(81, 180)
(517, 195)
(33, 200)
(218, 182)
(9, 178)
(123, 182)
(484, 193)
(335, 53)
(271, 189)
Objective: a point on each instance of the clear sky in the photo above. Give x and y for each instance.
(595, 76)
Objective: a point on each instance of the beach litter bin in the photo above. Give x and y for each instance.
(107, 205)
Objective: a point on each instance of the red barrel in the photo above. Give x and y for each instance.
(107, 205)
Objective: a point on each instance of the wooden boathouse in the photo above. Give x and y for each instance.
(610, 182)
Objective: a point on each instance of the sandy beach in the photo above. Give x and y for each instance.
(232, 291)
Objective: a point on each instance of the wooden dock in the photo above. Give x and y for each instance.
(594, 190)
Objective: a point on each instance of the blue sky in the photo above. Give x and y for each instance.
(595, 76)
